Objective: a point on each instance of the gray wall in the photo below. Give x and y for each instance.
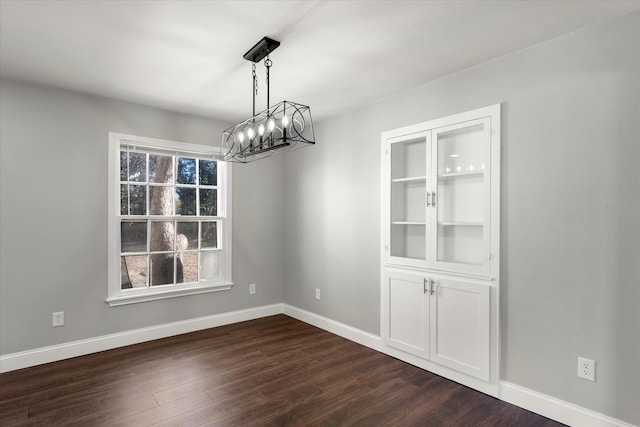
(570, 209)
(570, 234)
(53, 218)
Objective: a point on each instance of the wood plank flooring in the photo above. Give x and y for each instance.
(274, 371)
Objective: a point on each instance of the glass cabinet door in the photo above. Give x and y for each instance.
(408, 193)
(461, 200)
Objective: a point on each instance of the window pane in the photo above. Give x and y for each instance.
(138, 199)
(208, 202)
(189, 263)
(186, 201)
(187, 235)
(208, 172)
(137, 167)
(162, 269)
(168, 219)
(210, 234)
(133, 272)
(162, 236)
(123, 166)
(186, 171)
(210, 265)
(124, 199)
(133, 237)
(160, 200)
(160, 169)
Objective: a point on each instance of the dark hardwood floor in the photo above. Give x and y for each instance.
(274, 371)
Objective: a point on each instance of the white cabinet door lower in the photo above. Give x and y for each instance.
(405, 310)
(460, 326)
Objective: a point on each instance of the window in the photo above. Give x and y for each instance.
(169, 220)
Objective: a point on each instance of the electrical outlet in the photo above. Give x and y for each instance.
(317, 293)
(58, 319)
(586, 369)
(252, 288)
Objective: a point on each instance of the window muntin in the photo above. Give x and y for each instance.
(171, 219)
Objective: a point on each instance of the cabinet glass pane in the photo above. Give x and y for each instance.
(460, 243)
(408, 241)
(409, 159)
(462, 154)
(461, 199)
(462, 150)
(409, 201)
(408, 198)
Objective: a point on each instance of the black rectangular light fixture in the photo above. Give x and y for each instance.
(282, 127)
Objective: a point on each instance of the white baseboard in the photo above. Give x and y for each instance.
(25, 359)
(530, 400)
(556, 409)
(337, 328)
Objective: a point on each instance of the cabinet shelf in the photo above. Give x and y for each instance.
(460, 175)
(410, 179)
(460, 223)
(408, 223)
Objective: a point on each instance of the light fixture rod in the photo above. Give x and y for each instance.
(267, 65)
(254, 87)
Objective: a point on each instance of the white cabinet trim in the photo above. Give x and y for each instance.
(406, 259)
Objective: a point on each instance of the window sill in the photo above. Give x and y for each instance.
(163, 294)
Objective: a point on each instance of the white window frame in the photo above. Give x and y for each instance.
(118, 296)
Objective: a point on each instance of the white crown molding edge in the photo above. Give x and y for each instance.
(39, 356)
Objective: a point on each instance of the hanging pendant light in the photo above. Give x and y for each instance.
(283, 127)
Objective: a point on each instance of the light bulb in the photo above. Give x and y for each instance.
(471, 168)
(261, 130)
(285, 121)
(458, 168)
(447, 170)
(271, 124)
(250, 133)
(241, 137)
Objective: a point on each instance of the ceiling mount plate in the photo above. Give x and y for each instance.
(261, 49)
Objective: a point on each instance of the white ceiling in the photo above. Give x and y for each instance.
(335, 55)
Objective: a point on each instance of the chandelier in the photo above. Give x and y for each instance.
(283, 127)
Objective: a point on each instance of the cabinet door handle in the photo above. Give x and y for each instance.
(433, 199)
(431, 288)
(424, 285)
(428, 200)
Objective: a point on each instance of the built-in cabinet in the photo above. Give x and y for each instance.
(440, 241)
(442, 319)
